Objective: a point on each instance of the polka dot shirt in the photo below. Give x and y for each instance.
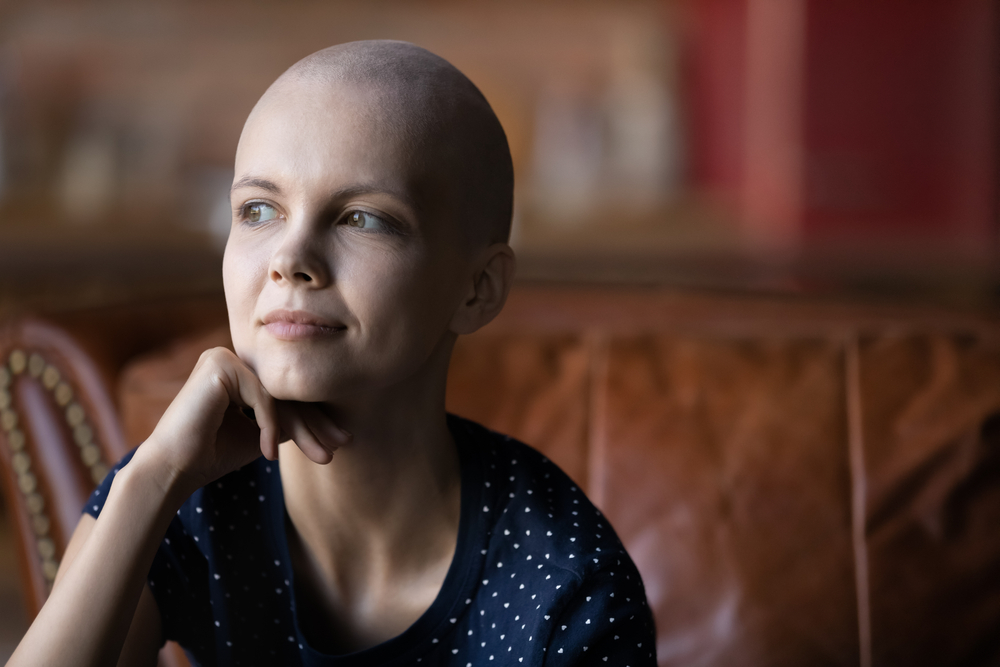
(538, 577)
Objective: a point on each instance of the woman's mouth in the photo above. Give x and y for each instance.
(300, 325)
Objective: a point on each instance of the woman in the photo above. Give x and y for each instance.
(371, 210)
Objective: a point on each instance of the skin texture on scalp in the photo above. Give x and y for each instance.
(426, 103)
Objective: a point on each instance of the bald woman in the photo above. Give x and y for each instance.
(307, 500)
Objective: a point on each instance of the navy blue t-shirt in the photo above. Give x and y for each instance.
(538, 577)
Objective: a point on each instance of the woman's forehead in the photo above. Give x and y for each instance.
(325, 138)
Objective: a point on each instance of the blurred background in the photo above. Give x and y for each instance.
(736, 144)
(790, 147)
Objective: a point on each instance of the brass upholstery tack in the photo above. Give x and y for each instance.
(41, 524)
(83, 435)
(35, 502)
(8, 420)
(75, 414)
(90, 454)
(27, 482)
(63, 394)
(16, 440)
(46, 548)
(50, 377)
(20, 462)
(18, 360)
(98, 472)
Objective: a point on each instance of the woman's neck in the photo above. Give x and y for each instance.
(376, 529)
(395, 478)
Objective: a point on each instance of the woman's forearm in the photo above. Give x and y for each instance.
(200, 438)
(87, 617)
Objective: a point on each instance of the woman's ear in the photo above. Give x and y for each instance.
(487, 294)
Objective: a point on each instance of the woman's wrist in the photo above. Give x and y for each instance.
(160, 484)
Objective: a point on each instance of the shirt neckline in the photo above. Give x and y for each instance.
(438, 620)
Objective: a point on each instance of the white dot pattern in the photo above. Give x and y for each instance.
(539, 576)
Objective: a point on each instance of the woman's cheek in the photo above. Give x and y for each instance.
(242, 266)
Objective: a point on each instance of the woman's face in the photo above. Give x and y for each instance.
(343, 268)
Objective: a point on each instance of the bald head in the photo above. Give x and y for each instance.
(420, 100)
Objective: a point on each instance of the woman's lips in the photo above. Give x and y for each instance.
(299, 325)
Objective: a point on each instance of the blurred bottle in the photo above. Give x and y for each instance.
(568, 154)
(615, 144)
(643, 138)
(88, 178)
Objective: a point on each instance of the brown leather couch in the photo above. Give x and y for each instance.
(799, 482)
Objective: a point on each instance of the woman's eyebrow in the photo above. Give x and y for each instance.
(254, 182)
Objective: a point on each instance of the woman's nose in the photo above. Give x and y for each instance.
(300, 260)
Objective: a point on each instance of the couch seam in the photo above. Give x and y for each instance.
(859, 496)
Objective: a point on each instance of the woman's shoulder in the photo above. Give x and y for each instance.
(553, 561)
(540, 511)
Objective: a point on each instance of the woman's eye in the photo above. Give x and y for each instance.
(364, 220)
(258, 212)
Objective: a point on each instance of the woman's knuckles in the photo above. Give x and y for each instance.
(202, 432)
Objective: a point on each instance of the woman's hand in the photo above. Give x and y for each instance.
(208, 430)
(202, 436)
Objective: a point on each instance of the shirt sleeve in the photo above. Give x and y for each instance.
(95, 503)
(606, 622)
(177, 567)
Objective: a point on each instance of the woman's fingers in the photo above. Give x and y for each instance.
(313, 432)
(250, 393)
(297, 430)
(321, 423)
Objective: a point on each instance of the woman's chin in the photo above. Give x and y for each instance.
(283, 390)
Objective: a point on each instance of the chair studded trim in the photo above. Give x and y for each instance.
(58, 431)
(36, 366)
